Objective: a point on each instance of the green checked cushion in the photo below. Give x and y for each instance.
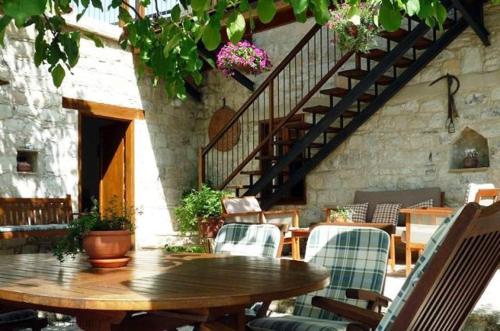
(296, 323)
(356, 257)
(431, 248)
(261, 240)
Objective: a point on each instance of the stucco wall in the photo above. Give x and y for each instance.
(405, 145)
(31, 113)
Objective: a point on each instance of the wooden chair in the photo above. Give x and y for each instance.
(487, 197)
(260, 240)
(21, 320)
(446, 283)
(247, 210)
(356, 258)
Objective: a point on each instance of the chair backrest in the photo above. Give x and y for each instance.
(472, 190)
(487, 197)
(356, 257)
(451, 275)
(261, 240)
(35, 211)
(241, 205)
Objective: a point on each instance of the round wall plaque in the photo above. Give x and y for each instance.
(218, 121)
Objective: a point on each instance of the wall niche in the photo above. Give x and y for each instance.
(469, 140)
(27, 161)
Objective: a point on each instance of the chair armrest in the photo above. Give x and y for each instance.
(351, 312)
(246, 213)
(376, 298)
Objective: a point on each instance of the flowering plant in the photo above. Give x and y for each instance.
(471, 153)
(356, 27)
(244, 56)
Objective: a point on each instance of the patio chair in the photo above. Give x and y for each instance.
(475, 193)
(357, 258)
(446, 283)
(261, 240)
(21, 319)
(247, 210)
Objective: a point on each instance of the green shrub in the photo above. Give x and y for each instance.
(203, 203)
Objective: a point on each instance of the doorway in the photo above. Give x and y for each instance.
(105, 164)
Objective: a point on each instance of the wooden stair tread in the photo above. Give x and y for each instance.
(307, 126)
(266, 158)
(342, 92)
(378, 55)
(291, 142)
(400, 34)
(361, 73)
(257, 172)
(324, 109)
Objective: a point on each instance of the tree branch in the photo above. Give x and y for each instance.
(126, 4)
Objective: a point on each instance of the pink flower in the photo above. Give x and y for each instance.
(244, 56)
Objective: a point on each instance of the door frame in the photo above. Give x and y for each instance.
(92, 109)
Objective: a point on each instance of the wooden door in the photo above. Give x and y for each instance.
(112, 168)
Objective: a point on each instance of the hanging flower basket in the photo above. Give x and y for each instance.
(356, 28)
(244, 57)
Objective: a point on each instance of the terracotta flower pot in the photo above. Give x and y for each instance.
(209, 227)
(471, 162)
(107, 249)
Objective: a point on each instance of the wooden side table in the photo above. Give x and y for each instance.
(433, 214)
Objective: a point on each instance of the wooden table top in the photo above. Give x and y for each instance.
(154, 280)
(434, 211)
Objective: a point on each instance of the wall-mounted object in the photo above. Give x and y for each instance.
(27, 161)
(3, 82)
(219, 120)
(470, 151)
(452, 108)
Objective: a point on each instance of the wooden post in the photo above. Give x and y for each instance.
(201, 167)
(140, 8)
(271, 115)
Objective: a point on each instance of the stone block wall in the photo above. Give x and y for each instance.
(31, 114)
(405, 144)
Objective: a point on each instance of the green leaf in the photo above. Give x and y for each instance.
(176, 13)
(299, 6)
(320, 10)
(4, 21)
(171, 44)
(389, 17)
(97, 41)
(412, 7)
(236, 27)
(302, 17)
(441, 14)
(200, 5)
(97, 4)
(211, 35)
(266, 10)
(58, 75)
(20, 10)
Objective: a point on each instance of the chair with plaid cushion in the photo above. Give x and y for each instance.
(21, 320)
(447, 281)
(247, 210)
(262, 240)
(357, 258)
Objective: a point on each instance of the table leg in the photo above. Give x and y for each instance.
(392, 257)
(408, 259)
(99, 321)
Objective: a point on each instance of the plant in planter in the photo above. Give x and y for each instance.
(471, 159)
(356, 27)
(243, 56)
(104, 238)
(201, 210)
(341, 215)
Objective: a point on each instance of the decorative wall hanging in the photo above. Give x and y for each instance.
(219, 120)
(452, 108)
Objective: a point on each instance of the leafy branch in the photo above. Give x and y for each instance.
(168, 45)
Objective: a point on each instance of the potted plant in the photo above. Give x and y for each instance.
(243, 56)
(471, 159)
(200, 210)
(356, 27)
(106, 239)
(342, 215)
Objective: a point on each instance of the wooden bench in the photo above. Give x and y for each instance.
(34, 217)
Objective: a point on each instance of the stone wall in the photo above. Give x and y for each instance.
(31, 114)
(405, 145)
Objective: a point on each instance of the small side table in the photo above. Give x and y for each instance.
(410, 214)
(297, 234)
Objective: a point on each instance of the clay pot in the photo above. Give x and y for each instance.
(209, 227)
(341, 219)
(107, 249)
(23, 166)
(471, 162)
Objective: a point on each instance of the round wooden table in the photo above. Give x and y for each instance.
(153, 281)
